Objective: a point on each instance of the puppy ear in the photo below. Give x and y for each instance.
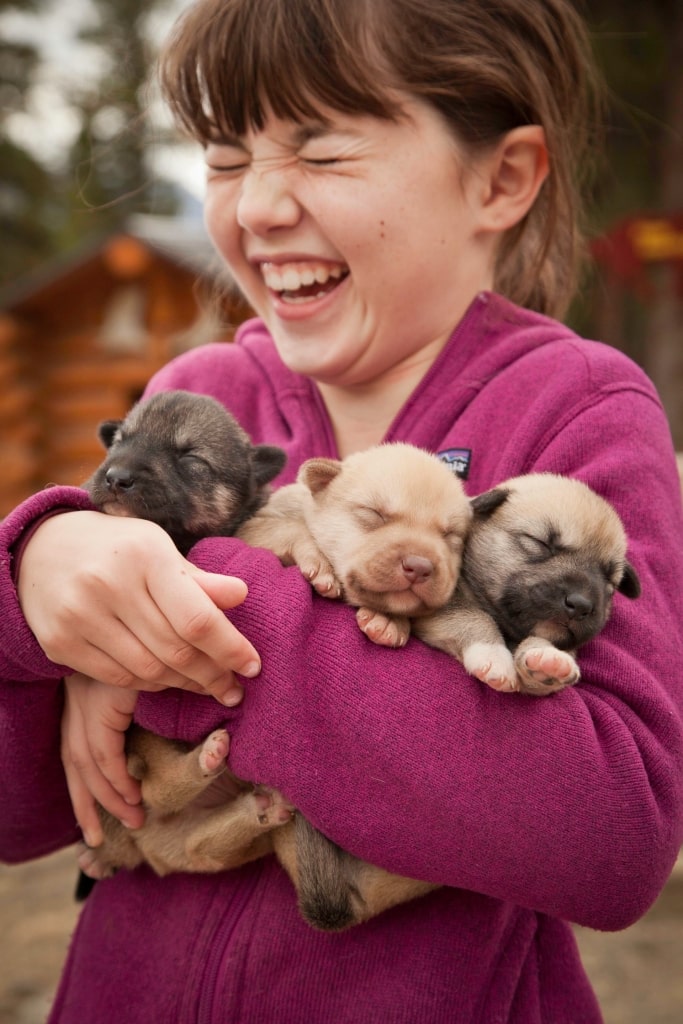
(630, 584)
(316, 474)
(106, 431)
(266, 461)
(487, 503)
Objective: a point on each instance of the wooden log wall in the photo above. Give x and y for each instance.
(64, 368)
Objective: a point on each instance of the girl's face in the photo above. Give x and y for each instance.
(355, 240)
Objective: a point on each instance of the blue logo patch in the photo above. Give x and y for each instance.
(458, 460)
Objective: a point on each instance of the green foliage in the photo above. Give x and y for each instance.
(105, 176)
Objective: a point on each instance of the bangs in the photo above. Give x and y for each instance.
(229, 63)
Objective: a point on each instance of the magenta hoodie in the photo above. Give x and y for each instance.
(530, 812)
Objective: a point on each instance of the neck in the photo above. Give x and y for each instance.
(361, 415)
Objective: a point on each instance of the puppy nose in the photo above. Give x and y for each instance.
(417, 569)
(119, 478)
(578, 606)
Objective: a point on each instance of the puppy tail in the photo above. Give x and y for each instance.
(328, 895)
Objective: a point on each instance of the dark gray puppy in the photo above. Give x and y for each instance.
(182, 461)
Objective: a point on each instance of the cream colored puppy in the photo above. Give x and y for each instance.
(384, 529)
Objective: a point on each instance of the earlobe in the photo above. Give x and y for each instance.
(517, 169)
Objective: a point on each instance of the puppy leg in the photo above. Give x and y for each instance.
(542, 668)
(280, 527)
(212, 839)
(172, 775)
(385, 630)
(337, 890)
(471, 636)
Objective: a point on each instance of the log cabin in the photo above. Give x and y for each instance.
(80, 339)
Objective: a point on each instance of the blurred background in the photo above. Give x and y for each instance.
(106, 273)
(105, 269)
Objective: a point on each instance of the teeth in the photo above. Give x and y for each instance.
(292, 277)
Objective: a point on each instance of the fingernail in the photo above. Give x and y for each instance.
(231, 698)
(252, 669)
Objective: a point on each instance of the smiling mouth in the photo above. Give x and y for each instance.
(303, 281)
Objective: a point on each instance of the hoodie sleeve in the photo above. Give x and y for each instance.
(571, 804)
(35, 811)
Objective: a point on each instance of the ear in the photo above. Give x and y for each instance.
(266, 461)
(486, 504)
(513, 176)
(106, 431)
(630, 584)
(316, 474)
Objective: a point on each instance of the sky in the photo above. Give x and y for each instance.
(49, 126)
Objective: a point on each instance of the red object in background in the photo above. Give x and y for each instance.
(637, 243)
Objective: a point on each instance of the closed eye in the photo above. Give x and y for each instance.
(321, 161)
(194, 458)
(369, 517)
(535, 546)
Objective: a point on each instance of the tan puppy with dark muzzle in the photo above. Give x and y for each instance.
(544, 557)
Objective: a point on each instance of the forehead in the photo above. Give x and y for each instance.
(223, 73)
(566, 508)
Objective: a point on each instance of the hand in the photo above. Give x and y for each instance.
(94, 723)
(114, 599)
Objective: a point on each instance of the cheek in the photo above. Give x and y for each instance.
(220, 219)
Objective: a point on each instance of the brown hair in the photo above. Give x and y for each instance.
(486, 67)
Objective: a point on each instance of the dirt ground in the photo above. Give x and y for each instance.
(638, 974)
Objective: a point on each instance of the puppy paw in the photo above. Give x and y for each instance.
(385, 630)
(492, 664)
(320, 575)
(213, 752)
(271, 807)
(91, 862)
(544, 669)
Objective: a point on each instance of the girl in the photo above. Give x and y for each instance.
(393, 184)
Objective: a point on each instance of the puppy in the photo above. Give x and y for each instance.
(183, 461)
(544, 557)
(384, 529)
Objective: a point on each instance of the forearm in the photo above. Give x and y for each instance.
(21, 657)
(403, 759)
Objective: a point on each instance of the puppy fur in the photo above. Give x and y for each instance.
(544, 557)
(182, 461)
(385, 530)
(391, 552)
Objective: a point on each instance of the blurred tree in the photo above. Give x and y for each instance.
(639, 200)
(110, 171)
(25, 187)
(105, 174)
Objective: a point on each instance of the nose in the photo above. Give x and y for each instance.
(578, 606)
(119, 478)
(266, 202)
(417, 569)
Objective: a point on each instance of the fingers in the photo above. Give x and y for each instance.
(113, 598)
(95, 719)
